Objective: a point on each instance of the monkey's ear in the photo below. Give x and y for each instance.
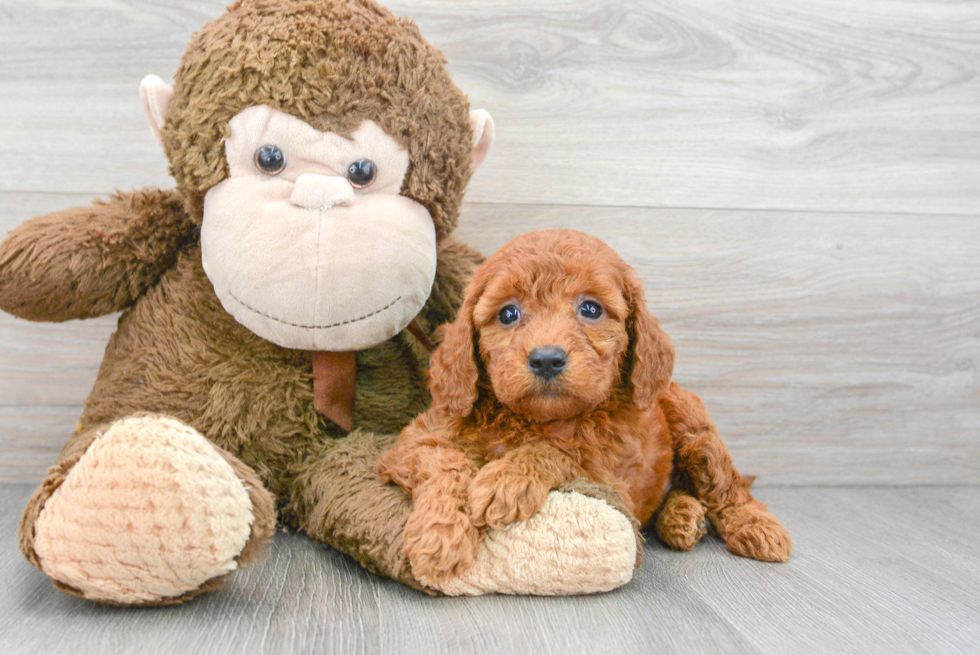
(482, 126)
(156, 95)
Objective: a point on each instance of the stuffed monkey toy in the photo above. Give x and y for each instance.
(276, 312)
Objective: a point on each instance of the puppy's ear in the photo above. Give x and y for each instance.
(453, 373)
(650, 357)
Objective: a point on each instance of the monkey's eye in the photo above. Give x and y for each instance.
(270, 160)
(590, 309)
(361, 173)
(509, 315)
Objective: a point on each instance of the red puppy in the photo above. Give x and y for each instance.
(554, 370)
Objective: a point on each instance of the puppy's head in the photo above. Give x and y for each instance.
(556, 322)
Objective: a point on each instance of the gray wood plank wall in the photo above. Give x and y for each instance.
(797, 182)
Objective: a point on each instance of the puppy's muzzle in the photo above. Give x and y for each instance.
(547, 362)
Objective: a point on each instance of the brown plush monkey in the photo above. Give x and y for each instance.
(279, 296)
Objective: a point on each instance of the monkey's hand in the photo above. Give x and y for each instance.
(91, 261)
(583, 540)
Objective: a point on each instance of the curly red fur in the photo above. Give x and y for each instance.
(498, 437)
(681, 520)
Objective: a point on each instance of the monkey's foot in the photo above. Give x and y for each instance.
(149, 515)
(575, 544)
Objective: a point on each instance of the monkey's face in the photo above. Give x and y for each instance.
(308, 243)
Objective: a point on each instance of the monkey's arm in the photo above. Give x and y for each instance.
(91, 261)
(584, 539)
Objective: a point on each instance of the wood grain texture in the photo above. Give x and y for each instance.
(873, 570)
(824, 105)
(830, 349)
(835, 341)
(31, 437)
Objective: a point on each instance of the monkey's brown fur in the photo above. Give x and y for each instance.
(332, 64)
(178, 353)
(498, 438)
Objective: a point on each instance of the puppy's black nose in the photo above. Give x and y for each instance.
(547, 361)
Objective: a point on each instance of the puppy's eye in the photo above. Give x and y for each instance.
(361, 173)
(590, 309)
(509, 315)
(270, 160)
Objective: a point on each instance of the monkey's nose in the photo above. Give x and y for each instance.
(313, 191)
(547, 361)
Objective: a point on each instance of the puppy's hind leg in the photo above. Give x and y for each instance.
(744, 523)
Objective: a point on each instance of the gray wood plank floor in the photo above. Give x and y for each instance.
(875, 570)
(834, 345)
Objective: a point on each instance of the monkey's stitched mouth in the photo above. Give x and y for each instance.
(313, 327)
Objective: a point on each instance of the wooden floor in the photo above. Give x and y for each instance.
(875, 570)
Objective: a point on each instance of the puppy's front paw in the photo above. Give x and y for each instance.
(681, 521)
(501, 494)
(439, 549)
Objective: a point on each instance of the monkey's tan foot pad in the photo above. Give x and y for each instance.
(574, 545)
(151, 511)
